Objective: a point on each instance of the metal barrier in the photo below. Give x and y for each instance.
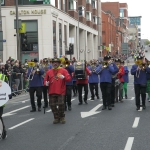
(18, 83)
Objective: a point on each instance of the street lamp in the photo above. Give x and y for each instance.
(78, 54)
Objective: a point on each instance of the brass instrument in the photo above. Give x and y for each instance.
(105, 64)
(140, 64)
(35, 68)
(66, 63)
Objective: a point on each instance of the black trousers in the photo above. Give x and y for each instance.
(38, 91)
(68, 95)
(1, 113)
(139, 90)
(113, 92)
(94, 86)
(45, 88)
(74, 88)
(106, 93)
(80, 86)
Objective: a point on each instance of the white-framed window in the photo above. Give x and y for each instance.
(59, 4)
(81, 11)
(72, 5)
(94, 4)
(95, 19)
(52, 2)
(88, 15)
(88, 1)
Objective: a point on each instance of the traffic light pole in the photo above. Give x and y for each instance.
(17, 32)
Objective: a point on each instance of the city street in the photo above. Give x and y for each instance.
(87, 126)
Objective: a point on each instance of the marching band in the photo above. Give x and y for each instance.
(57, 78)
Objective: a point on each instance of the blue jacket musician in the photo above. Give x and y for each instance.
(106, 71)
(94, 79)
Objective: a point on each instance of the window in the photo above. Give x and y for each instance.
(88, 1)
(54, 38)
(52, 2)
(121, 12)
(88, 16)
(95, 19)
(65, 37)
(139, 30)
(59, 4)
(72, 5)
(94, 4)
(27, 2)
(60, 39)
(64, 5)
(81, 11)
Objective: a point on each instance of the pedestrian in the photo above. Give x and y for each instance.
(56, 79)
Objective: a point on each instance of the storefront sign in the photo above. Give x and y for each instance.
(29, 12)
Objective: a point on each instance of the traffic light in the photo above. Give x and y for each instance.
(24, 42)
(71, 49)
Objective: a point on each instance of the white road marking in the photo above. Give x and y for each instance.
(141, 108)
(21, 124)
(10, 113)
(129, 143)
(132, 98)
(136, 122)
(49, 110)
(72, 99)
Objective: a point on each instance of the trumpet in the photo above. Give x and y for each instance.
(105, 64)
(66, 63)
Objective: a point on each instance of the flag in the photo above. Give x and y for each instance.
(46, 1)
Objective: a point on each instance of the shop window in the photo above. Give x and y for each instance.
(54, 38)
(60, 39)
(88, 16)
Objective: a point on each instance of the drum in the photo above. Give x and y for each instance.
(79, 70)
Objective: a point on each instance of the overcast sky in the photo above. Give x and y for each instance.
(138, 8)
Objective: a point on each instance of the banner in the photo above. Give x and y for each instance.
(5, 91)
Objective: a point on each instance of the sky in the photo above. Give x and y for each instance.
(138, 8)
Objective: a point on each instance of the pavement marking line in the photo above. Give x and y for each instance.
(6, 114)
(129, 143)
(21, 124)
(132, 98)
(49, 110)
(136, 122)
(141, 108)
(72, 99)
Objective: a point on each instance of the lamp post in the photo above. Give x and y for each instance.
(17, 32)
(78, 52)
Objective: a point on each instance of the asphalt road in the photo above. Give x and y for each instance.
(122, 128)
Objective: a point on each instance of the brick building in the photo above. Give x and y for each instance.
(118, 15)
(51, 27)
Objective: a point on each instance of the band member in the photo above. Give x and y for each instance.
(56, 79)
(83, 83)
(113, 85)
(148, 82)
(106, 71)
(94, 79)
(126, 79)
(139, 71)
(120, 75)
(35, 85)
(46, 66)
(69, 85)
